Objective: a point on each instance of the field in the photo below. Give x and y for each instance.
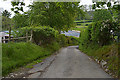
(82, 25)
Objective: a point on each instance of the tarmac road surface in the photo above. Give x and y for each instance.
(71, 63)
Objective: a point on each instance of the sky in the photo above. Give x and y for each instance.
(6, 5)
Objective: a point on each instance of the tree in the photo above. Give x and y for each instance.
(102, 14)
(84, 8)
(115, 8)
(101, 32)
(58, 15)
(6, 23)
(17, 6)
(20, 20)
(5, 13)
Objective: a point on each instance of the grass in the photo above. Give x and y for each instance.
(108, 53)
(82, 20)
(33, 63)
(80, 28)
(15, 55)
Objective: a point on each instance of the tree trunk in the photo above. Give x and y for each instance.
(59, 31)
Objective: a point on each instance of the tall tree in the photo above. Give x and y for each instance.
(17, 6)
(5, 13)
(20, 20)
(102, 14)
(59, 15)
(6, 21)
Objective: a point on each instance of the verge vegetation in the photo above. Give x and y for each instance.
(16, 55)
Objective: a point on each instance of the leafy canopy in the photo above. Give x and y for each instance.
(5, 13)
(102, 14)
(58, 15)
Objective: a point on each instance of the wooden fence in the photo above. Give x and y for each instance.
(28, 38)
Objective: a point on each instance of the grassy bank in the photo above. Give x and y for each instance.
(19, 54)
(15, 55)
(108, 53)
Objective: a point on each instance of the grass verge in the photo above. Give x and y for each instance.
(108, 53)
(19, 54)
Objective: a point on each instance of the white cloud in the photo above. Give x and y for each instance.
(86, 2)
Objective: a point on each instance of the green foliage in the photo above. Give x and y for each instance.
(17, 6)
(61, 39)
(108, 53)
(85, 38)
(100, 29)
(96, 33)
(58, 15)
(5, 13)
(114, 9)
(53, 46)
(105, 53)
(19, 54)
(41, 34)
(20, 20)
(102, 14)
(72, 40)
(67, 40)
(6, 23)
(107, 3)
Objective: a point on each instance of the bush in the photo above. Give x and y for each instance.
(67, 40)
(41, 34)
(101, 32)
(71, 40)
(61, 39)
(96, 42)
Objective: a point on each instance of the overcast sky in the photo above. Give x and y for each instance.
(6, 5)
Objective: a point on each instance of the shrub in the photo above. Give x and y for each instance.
(61, 39)
(101, 32)
(71, 40)
(41, 34)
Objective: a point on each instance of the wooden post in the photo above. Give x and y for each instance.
(27, 35)
(9, 33)
(31, 36)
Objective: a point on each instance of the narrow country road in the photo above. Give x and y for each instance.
(71, 63)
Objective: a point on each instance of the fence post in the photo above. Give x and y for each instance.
(27, 35)
(31, 38)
